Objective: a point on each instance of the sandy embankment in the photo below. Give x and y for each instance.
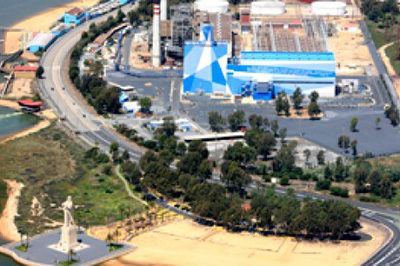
(187, 243)
(41, 22)
(8, 229)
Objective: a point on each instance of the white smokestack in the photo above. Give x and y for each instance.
(156, 36)
(164, 9)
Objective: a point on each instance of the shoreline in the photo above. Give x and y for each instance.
(8, 229)
(40, 22)
(46, 115)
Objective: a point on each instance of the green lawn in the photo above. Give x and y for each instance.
(52, 166)
(23, 247)
(391, 52)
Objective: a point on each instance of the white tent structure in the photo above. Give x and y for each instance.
(267, 8)
(212, 6)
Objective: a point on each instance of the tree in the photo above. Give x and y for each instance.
(168, 126)
(199, 147)
(282, 134)
(353, 145)
(205, 170)
(236, 119)
(131, 172)
(386, 187)
(343, 142)
(313, 110)
(360, 177)
(353, 124)
(286, 106)
(181, 148)
(256, 121)
(377, 122)
(107, 101)
(313, 96)
(279, 103)
(307, 154)
(39, 72)
(321, 157)
(145, 104)
(125, 155)
(284, 159)
(114, 147)
(134, 18)
(240, 153)
(297, 98)
(216, 121)
(275, 126)
(265, 144)
(236, 177)
(328, 173)
(374, 180)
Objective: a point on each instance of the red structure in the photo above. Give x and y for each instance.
(30, 106)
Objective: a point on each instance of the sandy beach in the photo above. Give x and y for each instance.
(187, 243)
(41, 22)
(8, 230)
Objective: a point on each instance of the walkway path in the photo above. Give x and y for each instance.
(127, 188)
(386, 60)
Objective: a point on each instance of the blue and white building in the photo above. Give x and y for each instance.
(258, 74)
(205, 63)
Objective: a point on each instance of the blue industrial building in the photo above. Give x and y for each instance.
(75, 16)
(257, 74)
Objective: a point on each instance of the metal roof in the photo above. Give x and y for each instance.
(304, 56)
(42, 39)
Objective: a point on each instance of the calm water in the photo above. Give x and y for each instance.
(12, 121)
(12, 11)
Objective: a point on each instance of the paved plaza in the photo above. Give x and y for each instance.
(40, 252)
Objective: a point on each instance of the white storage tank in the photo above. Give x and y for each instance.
(267, 8)
(212, 6)
(328, 8)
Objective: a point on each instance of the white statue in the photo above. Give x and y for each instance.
(68, 230)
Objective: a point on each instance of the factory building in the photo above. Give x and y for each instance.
(257, 74)
(41, 42)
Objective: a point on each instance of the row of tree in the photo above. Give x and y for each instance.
(92, 86)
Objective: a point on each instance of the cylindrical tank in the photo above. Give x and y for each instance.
(328, 8)
(267, 8)
(212, 6)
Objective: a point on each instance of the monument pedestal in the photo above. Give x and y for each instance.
(69, 239)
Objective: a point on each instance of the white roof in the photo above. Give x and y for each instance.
(130, 105)
(42, 39)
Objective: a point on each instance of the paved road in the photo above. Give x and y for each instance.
(93, 129)
(56, 92)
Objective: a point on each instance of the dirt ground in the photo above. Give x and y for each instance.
(20, 88)
(41, 22)
(8, 230)
(187, 243)
(349, 48)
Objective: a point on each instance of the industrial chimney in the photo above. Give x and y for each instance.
(164, 9)
(156, 60)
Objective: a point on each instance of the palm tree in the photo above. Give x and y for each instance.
(71, 254)
(109, 238)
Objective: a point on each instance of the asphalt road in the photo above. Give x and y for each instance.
(93, 129)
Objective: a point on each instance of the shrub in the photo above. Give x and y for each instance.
(340, 192)
(323, 185)
(368, 199)
(284, 181)
(107, 169)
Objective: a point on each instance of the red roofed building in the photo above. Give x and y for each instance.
(25, 71)
(28, 105)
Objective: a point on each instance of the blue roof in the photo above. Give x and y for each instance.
(305, 56)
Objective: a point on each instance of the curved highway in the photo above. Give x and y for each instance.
(60, 96)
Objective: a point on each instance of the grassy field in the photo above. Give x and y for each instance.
(378, 35)
(391, 52)
(52, 166)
